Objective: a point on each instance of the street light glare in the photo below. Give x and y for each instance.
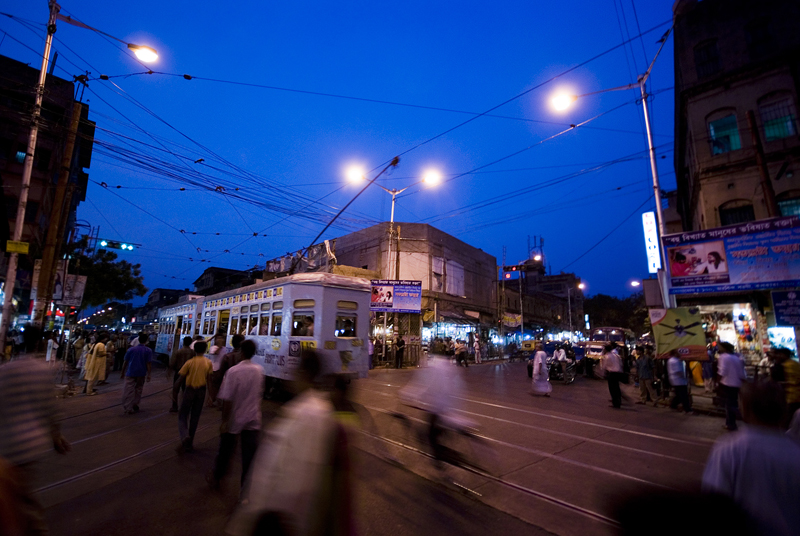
(432, 177)
(561, 101)
(537, 258)
(581, 286)
(355, 174)
(144, 53)
(635, 283)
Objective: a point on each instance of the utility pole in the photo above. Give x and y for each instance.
(766, 184)
(521, 309)
(55, 230)
(27, 170)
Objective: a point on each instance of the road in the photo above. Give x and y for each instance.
(555, 465)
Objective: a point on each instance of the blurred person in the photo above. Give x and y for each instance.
(371, 352)
(96, 364)
(232, 358)
(136, 370)
(676, 368)
(215, 355)
(708, 371)
(560, 357)
(111, 350)
(197, 373)
(299, 483)
(612, 365)
(52, 346)
(241, 392)
(28, 428)
(477, 347)
(539, 383)
(730, 369)
(461, 353)
(176, 362)
(644, 368)
(119, 355)
(400, 351)
(787, 372)
(77, 347)
(759, 468)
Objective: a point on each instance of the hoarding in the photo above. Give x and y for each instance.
(651, 242)
(396, 296)
(757, 255)
(679, 329)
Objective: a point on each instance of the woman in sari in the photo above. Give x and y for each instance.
(540, 384)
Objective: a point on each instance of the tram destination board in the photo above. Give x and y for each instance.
(396, 296)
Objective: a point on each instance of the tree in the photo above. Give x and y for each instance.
(630, 312)
(106, 277)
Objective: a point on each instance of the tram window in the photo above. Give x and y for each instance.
(197, 327)
(264, 327)
(243, 326)
(345, 325)
(224, 317)
(303, 324)
(252, 328)
(213, 325)
(277, 322)
(234, 325)
(277, 305)
(265, 306)
(347, 305)
(205, 327)
(303, 304)
(253, 308)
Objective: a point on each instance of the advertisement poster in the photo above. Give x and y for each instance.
(786, 305)
(679, 329)
(748, 256)
(72, 290)
(396, 296)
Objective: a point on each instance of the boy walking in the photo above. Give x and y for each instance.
(197, 372)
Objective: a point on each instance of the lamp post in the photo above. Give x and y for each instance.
(144, 54)
(562, 101)
(430, 177)
(581, 286)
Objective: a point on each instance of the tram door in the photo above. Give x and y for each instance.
(176, 338)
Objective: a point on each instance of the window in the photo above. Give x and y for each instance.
(723, 135)
(254, 308)
(789, 203)
(454, 282)
(213, 325)
(223, 320)
(234, 326)
(303, 324)
(265, 307)
(778, 117)
(205, 327)
(347, 305)
(733, 212)
(277, 322)
(437, 274)
(277, 305)
(243, 325)
(303, 304)
(264, 327)
(345, 325)
(706, 59)
(252, 326)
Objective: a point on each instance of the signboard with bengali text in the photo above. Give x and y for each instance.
(396, 296)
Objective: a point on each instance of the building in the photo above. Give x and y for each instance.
(17, 87)
(159, 297)
(216, 279)
(736, 62)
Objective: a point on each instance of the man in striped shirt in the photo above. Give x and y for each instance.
(28, 428)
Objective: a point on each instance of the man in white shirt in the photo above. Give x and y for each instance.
(759, 468)
(730, 369)
(612, 364)
(676, 368)
(241, 393)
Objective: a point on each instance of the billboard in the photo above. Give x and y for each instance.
(679, 329)
(763, 254)
(396, 296)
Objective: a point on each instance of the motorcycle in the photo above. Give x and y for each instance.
(562, 371)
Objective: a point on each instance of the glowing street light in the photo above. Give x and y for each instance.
(561, 101)
(144, 53)
(635, 283)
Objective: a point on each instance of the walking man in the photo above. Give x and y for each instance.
(612, 364)
(677, 378)
(644, 368)
(787, 372)
(197, 372)
(135, 371)
(96, 364)
(241, 393)
(175, 364)
(730, 369)
(399, 352)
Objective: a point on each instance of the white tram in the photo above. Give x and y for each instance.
(176, 322)
(327, 312)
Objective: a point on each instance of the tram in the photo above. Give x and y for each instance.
(284, 316)
(178, 321)
(601, 336)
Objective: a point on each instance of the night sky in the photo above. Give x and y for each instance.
(284, 96)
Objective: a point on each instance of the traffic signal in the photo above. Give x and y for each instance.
(511, 268)
(114, 244)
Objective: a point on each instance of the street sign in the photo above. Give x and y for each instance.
(651, 242)
(17, 247)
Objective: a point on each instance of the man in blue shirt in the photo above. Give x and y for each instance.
(135, 370)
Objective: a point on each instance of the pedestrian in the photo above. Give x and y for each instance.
(119, 355)
(676, 369)
(399, 352)
(708, 371)
(461, 353)
(730, 369)
(787, 372)
(52, 346)
(560, 358)
(231, 358)
(300, 478)
(77, 348)
(135, 371)
(759, 468)
(612, 365)
(111, 350)
(477, 347)
(176, 363)
(215, 355)
(96, 364)
(644, 368)
(371, 352)
(540, 384)
(29, 427)
(197, 373)
(241, 392)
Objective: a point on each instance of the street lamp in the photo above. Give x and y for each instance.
(581, 286)
(635, 283)
(563, 100)
(430, 177)
(11, 275)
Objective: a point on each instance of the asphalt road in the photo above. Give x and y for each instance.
(554, 465)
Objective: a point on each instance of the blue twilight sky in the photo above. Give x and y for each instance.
(286, 95)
